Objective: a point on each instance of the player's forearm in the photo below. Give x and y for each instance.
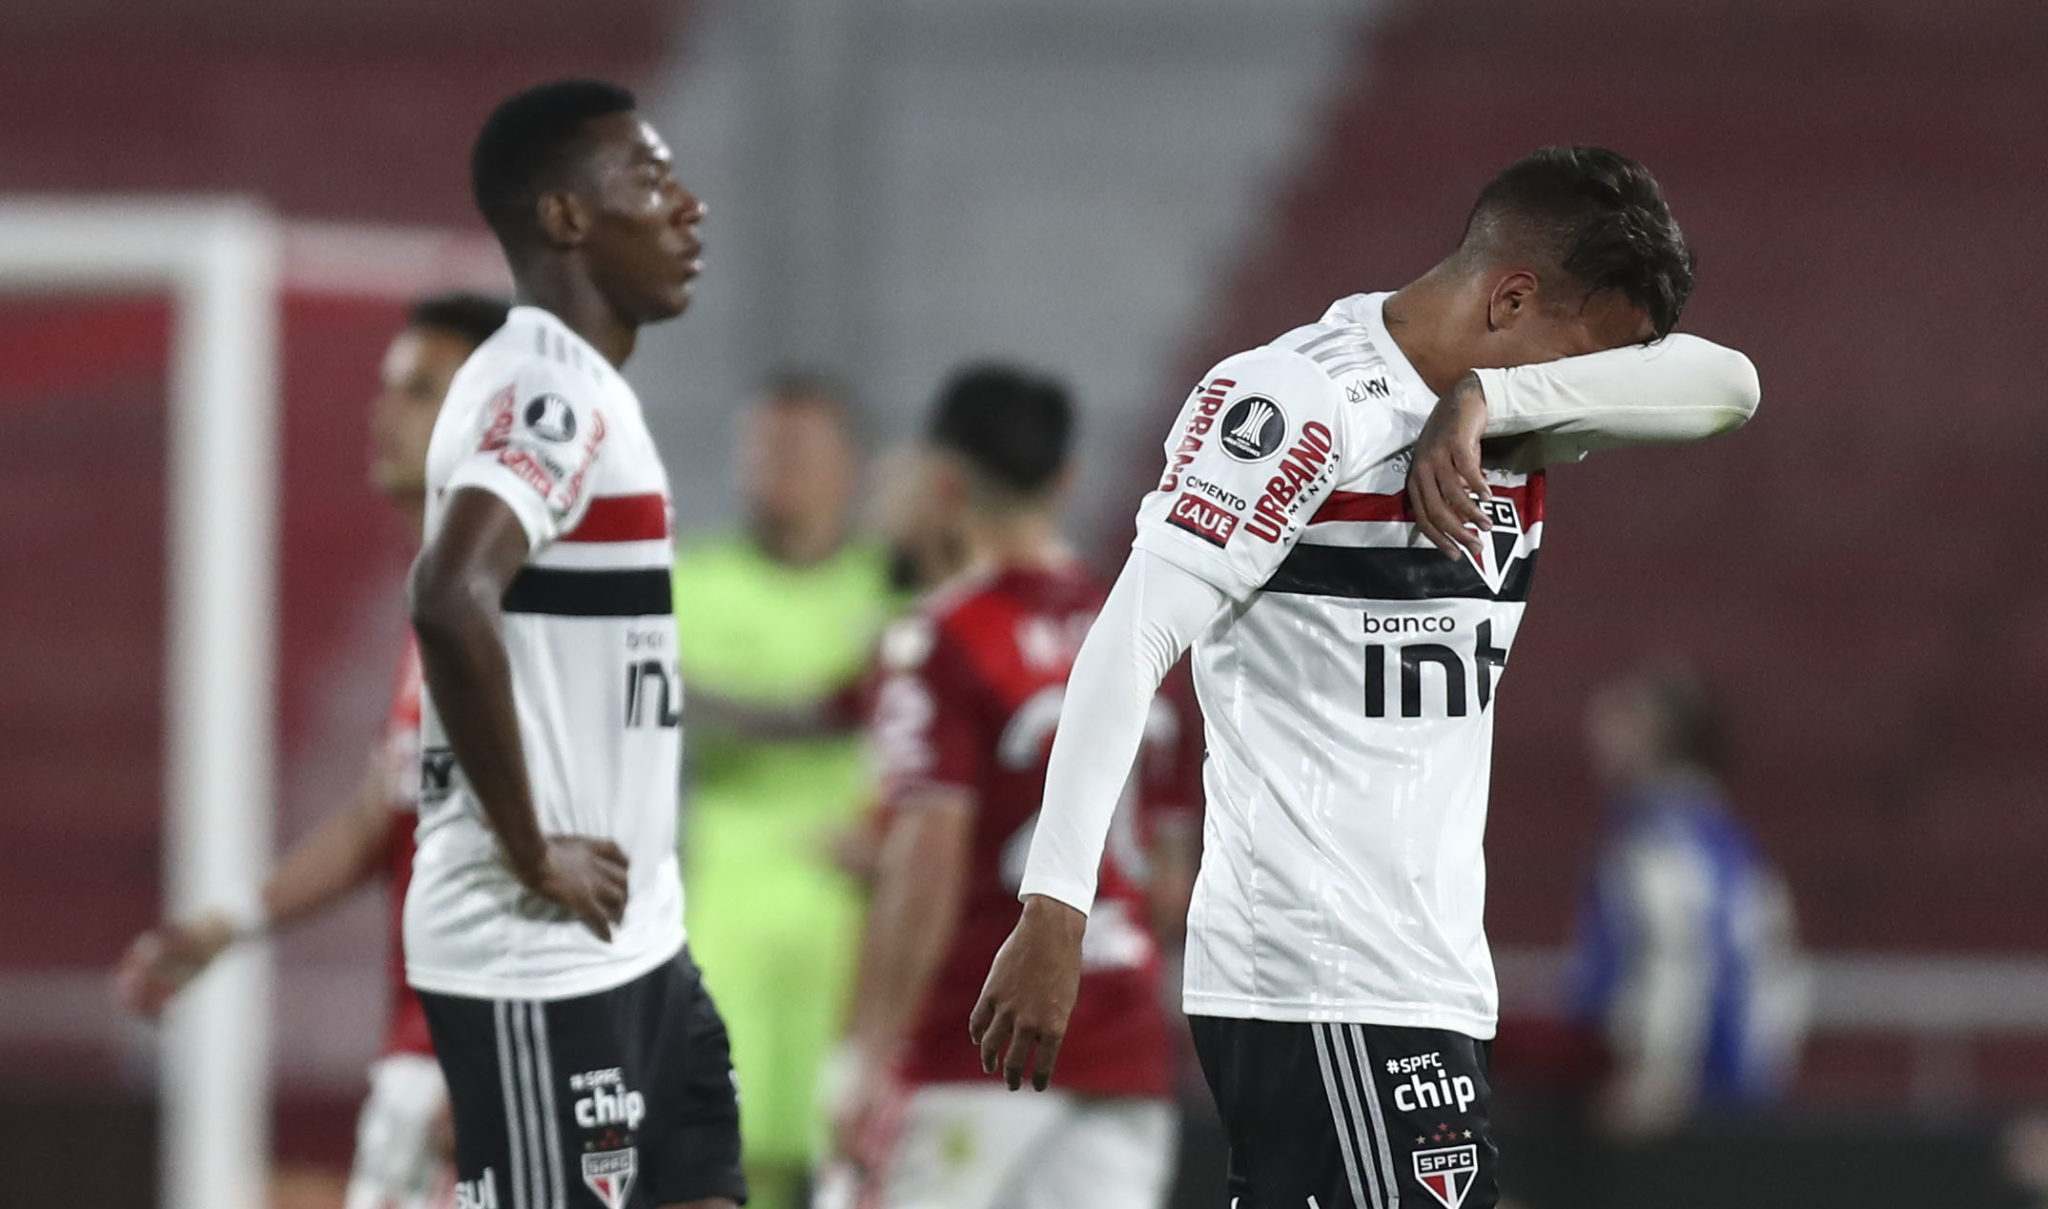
(467, 672)
(1152, 615)
(920, 883)
(342, 853)
(763, 722)
(1681, 388)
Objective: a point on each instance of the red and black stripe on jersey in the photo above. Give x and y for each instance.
(1404, 572)
(583, 592)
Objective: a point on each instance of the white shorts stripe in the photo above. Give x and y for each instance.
(509, 1090)
(1372, 1100)
(1345, 1119)
(1362, 1101)
(536, 1166)
(544, 1071)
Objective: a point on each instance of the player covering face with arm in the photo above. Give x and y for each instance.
(1348, 671)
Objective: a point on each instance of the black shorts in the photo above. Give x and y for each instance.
(621, 1100)
(1357, 1116)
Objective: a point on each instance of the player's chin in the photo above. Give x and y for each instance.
(672, 302)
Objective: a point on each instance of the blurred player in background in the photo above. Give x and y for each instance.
(776, 625)
(544, 927)
(403, 1139)
(1686, 960)
(962, 723)
(1338, 980)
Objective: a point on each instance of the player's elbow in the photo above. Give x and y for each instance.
(1736, 388)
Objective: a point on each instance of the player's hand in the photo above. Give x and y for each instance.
(1446, 476)
(587, 878)
(1029, 995)
(161, 961)
(861, 1097)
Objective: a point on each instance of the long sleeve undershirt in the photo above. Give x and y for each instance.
(1681, 388)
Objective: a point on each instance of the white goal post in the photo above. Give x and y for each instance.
(218, 262)
(225, 265)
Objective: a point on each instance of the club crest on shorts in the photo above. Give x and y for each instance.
(609, 1174)
(1447, 1173)
(1505, 542)
(1253, 429)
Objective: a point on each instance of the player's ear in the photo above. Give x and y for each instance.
(564, 219)
(1514, 295)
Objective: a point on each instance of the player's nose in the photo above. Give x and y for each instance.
(689, 209)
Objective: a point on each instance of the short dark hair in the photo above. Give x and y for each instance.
(1692, 728)
(1600, 217)
(804, 382)
(474, 317)
(523, 149)
(803, 388)
(1009, 423)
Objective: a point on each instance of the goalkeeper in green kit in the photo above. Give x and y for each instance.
(776, 626)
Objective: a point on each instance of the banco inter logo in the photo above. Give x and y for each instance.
(1253, 429)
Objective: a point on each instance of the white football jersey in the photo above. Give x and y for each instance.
(538, 418)
(1348, 693)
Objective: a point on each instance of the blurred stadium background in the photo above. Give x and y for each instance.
(1121, 192)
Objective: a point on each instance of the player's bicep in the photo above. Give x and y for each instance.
(539, 437)
(1256, 449)
(471, 556)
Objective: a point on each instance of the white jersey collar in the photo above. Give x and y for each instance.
(1370, 310)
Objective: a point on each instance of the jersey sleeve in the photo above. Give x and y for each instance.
(1253, 453)
(1681, 388)
(924, 723)
(541, 434)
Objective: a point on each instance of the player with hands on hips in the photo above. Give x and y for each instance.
(586, 1061)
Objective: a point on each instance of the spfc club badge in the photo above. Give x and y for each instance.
(609, 1174)
(1504, 543)
(1447, 1173)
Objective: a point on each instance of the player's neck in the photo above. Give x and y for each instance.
(1020, 541)
(553, 285)
(1422, 317)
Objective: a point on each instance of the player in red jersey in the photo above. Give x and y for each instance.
(403, 1135)
(963, 721)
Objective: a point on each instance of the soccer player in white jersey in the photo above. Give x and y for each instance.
(543, 930)
(1337, 973)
